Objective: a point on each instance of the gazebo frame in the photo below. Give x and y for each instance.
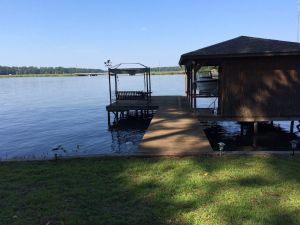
(144, 95)
(124, 102)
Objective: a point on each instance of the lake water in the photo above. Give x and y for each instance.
(41, 114)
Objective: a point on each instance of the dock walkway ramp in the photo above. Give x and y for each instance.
(174, 131)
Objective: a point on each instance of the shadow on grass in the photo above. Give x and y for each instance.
(253, 181)
(229, 190)
(264, 193)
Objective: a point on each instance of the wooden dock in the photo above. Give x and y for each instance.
(174, 131)
(126, 105)
(119, 108)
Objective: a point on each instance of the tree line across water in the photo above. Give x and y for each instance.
(14, 70)
(23, 70)
(167, 69)
(63, 71)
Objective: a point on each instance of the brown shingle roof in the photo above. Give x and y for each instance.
(243, 46)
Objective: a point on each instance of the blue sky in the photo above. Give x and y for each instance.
(84, 33)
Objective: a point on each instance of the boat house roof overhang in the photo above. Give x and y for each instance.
(240, 47)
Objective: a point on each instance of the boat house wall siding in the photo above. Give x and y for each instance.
(259, 88)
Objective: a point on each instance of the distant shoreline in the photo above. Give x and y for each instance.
(168, 73)
(77, 75)
(39, 75)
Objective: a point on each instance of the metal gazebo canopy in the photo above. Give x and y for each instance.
(131, 69)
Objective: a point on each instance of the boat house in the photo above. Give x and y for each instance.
(257, 79)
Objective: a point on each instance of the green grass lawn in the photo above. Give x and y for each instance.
(197, 190)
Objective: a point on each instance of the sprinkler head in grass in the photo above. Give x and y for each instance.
(293, 145)
(221, 147)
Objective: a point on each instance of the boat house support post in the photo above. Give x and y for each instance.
(292, 126)
(187, 83)
(242, 128)
(191, 86)
(195, 87)
(255, 130)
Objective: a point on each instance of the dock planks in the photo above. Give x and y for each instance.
(174, 131)
(125, 105)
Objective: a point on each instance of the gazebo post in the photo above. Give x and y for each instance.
(147, 86)
(147, 90)
(109, 85)
(116, 87)
(149, 74)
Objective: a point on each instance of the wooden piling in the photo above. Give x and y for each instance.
(255, 130)
(292, 127)
(108, 118)
(242, 129)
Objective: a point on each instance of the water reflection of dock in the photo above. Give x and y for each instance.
(173, 131)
